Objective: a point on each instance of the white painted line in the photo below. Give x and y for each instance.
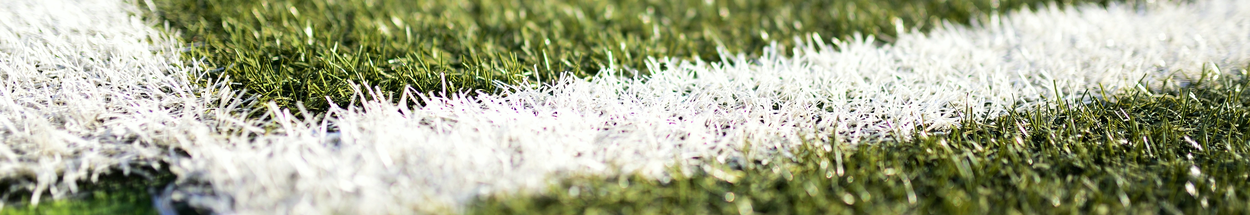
(392, 159)
(86, 66)
(84, 87)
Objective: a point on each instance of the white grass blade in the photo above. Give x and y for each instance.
(392, 158)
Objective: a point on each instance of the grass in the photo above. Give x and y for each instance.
(88, 88)
(1179, 151)
(1056, 162)
(113, 194)
(295, 51)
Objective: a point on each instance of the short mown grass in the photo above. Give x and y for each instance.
(1087, 159)
(303, 51)
(1179, 151)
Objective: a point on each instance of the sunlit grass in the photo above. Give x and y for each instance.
(292, 51)
(1044, 161)
(1179, 151)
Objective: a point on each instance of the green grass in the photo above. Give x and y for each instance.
(120, 201)
(1179, 151)
(292, 51)
(113, 194)
(1066, 159)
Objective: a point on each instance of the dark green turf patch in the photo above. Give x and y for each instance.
(1179, 152)
(292, 51)
(114, 193)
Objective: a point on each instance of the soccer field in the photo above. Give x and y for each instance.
(776, 107)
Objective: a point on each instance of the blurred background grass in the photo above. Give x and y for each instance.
(291, 51)
(113, 193)
(1181, 151)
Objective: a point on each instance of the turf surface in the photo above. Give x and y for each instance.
(293, 51)
(114, 193)
(1179, 151)
(1058, 148)
(87, 89)
(396, 158)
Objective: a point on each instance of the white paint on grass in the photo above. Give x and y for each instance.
(388, 158)
(87, 87)
(84, 86)
(395, 158)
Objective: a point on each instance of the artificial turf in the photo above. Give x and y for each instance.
(115, 193)
(1060, 163)
(299, 51)
(128, 200)
(1174, 151)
